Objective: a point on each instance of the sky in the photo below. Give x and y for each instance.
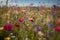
(28, 2)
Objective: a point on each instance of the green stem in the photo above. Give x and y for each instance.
(56, 36)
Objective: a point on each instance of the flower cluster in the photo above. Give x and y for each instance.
(25, 22)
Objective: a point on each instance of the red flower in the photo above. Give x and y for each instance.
(17, 25)
(57, 29)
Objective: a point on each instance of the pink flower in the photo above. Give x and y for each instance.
(21, 20)
(23, 11)
(8, 27)
(31, 19)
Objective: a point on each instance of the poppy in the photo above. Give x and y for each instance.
(17, 25)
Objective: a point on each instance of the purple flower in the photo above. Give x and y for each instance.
(53, 14)
(21, 20)
(49, 25)
(8, 27)
(37, 29)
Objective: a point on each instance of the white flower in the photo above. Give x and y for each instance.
(12, 36)
(40, 33)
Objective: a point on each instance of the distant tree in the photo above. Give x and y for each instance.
(1, 3)
(39, 4)
(31, 4)
(6, 2)
(54, 6)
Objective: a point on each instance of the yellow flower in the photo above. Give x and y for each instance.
(7, 38)
(1, 28)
